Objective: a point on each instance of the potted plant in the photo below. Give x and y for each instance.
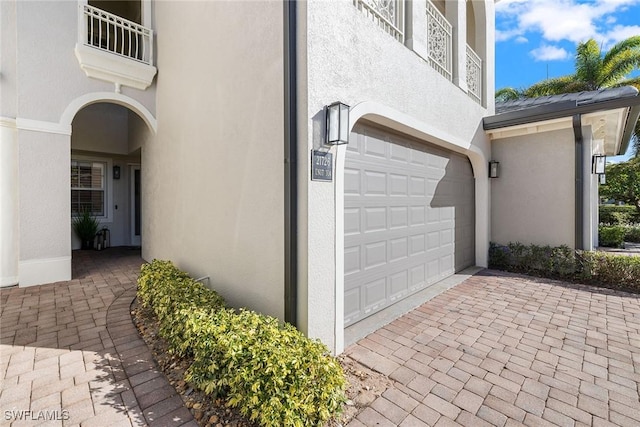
(86, 226)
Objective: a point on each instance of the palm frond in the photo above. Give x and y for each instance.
(508, 94)
(632, 43)
(588, 64)
(620, 66)
(555, 86)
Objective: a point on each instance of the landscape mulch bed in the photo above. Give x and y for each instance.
(365, 385)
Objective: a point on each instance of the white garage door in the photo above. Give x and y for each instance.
(408, 219)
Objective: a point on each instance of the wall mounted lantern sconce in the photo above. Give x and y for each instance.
(602, 179)
(337, 124)
(116, 172)
(494, 169)
(598, 163)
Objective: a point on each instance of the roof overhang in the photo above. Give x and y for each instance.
(612, 119)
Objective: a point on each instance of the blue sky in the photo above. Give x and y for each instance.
(536, 39)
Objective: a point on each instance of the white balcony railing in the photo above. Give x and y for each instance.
(388, 14)
(439, 41)
(474, 75)
(114, 34)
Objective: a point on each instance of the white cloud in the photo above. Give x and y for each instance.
(563, 20)
(549, 53)
(522, 39)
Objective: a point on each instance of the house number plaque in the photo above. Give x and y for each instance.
(321, 166)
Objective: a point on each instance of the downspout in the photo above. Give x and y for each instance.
(290, 165)
(579, 174)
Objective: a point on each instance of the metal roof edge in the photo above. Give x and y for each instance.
(558, 110)
(632, 119)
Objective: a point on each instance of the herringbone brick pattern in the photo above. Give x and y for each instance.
(504, 350)
(70, 354)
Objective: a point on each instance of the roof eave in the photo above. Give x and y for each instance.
(555, 111)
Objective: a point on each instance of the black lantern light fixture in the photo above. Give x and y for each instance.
(494, 169)
(337, 124)
(116, 172)
(598, 163)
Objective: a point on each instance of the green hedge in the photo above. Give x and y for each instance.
(271, 372)
(618, 215)
(595, 268)
(611, 236)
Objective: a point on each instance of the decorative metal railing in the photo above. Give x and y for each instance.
(439, 41)
(474, 75)
(388, 14)
(117, 35)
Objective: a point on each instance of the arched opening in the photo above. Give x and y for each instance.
(107, 140)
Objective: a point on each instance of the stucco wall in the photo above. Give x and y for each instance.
(533, 199)
(8, 58)
(351, 59)
(213, 177)
(49, 75)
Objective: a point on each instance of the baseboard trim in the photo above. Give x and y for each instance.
(45, 270)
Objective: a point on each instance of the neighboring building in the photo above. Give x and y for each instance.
(188, 128)
(549, 150)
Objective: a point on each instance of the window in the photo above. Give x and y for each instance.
(88, 187)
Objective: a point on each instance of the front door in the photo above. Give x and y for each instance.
(136, 215)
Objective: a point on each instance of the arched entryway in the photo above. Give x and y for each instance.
(106, 163)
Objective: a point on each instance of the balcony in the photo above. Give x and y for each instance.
(448, 48)
(474, 75)
(114, 49)
(439, 41)
(388, 14)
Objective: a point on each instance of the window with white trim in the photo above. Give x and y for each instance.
(88, 185)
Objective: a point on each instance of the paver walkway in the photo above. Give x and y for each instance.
(498, 349)
(70, 354)
(505, 350)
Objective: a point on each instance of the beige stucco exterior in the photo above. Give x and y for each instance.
(213, 178)
(208, 135)
(532, 201)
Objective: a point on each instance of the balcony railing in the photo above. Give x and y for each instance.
(388, 14)
(439, 41)
(114, 34)
(474, 75)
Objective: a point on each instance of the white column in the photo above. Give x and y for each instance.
(456, 14)
(416, 27)
(9, 217)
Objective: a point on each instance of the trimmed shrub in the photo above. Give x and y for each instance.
(611, 236)
(618, 215)
(614, 271)
(547, 261)
(632, 234)
(595, 268)
(271, 372)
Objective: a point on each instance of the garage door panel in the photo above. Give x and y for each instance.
(398, 184)
(352, 221)
(375, 254)
(409, 210)
(375, 183)
(375, 218)
(352, 182)
(417, 215)
(374, 294)
(352, 260)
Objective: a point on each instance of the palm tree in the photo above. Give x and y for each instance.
(594, 70)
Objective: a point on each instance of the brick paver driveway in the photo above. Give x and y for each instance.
(497, 350)
(70, 355)
(505, 350)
